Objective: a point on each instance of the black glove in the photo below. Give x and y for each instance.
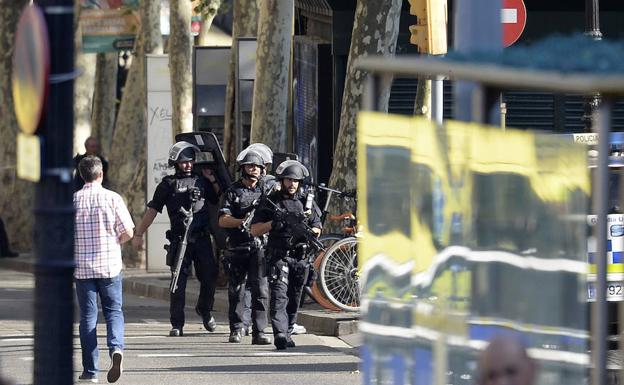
(277, 224)
(279, 215)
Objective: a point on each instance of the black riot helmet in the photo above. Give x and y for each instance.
(264, 151)
(249, 156)
(182, 152)
(291, 169)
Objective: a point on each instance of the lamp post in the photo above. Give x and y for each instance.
(54, 211)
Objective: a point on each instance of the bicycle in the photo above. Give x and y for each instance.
(337, 283)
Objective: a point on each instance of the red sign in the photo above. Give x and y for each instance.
(196, 24)
(513, 17)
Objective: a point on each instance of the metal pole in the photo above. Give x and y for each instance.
(369, 96)
(592, 29)
(493, 106)
(601, 191)
(238, 131)
(477, 28)
(437, 100)
(503, 113)
(478, 103)
(601, 207)
(592, 19)
(54, 210)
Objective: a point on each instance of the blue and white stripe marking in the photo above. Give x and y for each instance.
(615, 239)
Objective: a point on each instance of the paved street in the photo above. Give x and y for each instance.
(153, 358)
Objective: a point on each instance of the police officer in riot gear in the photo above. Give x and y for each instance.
(184, 191)
(245, 257)
(269, 184)
(282, 216)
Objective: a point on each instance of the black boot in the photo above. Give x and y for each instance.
(281, 341)
(260, 339)
(235, 336)
(210, 324)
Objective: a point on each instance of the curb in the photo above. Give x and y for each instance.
(156, 285)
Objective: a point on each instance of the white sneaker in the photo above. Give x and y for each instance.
(298, 329)
(116, 367)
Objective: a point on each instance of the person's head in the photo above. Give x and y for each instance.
(182, 157)
(92, 146)
(291, 173)
(505, 362)
(251, 164)
(265, 152)
(90, 169)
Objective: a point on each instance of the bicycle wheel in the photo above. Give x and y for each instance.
(329, 239)
(315, 291)
(339, 276)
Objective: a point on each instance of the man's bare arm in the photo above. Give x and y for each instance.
(148, 218)
(126, 236)
(260, 228)
(229, 222)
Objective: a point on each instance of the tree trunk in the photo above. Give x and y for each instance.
(83, 98)
(180, 44)
(269, 123)
(422, 104)
(83, 87)
(105, 100)
(244, 24)
(208, 14)
(16, 195)
(375, 31)
(127, 156)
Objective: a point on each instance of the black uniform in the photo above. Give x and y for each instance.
(287, 258)
(173, 192)
(245, 259)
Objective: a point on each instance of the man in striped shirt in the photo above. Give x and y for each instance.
(103, 223)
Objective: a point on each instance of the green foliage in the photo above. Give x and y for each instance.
(213, 7)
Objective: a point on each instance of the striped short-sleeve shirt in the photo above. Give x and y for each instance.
(101, 217)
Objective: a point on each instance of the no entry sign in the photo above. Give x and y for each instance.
(513, 17)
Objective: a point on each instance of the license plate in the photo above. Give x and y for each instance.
(615, 291)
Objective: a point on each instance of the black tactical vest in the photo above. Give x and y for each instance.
(283, 238)
(179, 196)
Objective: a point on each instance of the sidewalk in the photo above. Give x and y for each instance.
(156, 285)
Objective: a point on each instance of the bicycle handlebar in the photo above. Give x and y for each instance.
(342, 194)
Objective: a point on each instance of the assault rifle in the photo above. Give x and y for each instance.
(297, 225)
(188, 219)
(246, 224)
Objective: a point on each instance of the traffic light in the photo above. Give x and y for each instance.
(429, 32)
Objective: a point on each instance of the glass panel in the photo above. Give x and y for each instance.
(388, 190)
(473, 253)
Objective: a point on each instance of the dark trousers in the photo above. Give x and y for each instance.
(199, 253)
(287, 278)
(247, 269)
(4, 240)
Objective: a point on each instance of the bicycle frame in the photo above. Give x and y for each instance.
(330, 193)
